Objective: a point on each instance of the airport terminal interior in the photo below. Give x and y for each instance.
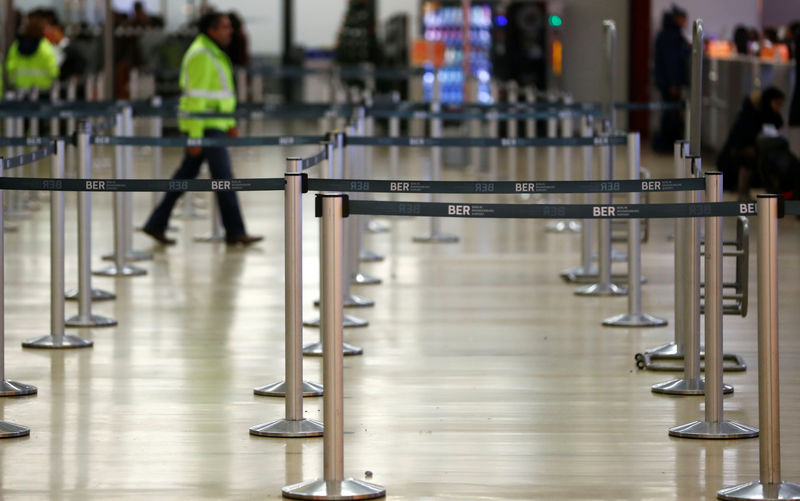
(477, 361)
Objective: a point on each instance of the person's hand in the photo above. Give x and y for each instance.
(233, 132)
(194, 151)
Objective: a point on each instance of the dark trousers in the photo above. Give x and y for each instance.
(219, 163)
(671, 127)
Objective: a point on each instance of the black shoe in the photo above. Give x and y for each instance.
(159, 236)
(243, 239)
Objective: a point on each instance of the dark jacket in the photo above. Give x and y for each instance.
(28, 45)
(794, 111)
(671, 56)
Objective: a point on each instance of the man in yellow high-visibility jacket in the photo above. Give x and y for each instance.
(206, 81)
(32, 62)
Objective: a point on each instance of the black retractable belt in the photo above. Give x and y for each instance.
(29, 158)
(141, 185)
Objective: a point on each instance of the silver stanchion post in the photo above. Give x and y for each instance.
(130, 253)
(587, 271)
(85, 294)
(394, 151)
(530, 132)
(676, 347)
(372, 225)
(120, 268)
(552, 174)
(8, 388)
(436, 235)
(333, 484)
(360, 158)
(769, 486)
(335, 171)
(494, 131)
(158, 130)
(604, 286)
(57, 339)
(714, 426)
(634, 317)
(293, 387)
(512, 132)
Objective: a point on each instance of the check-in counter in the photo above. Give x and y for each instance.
(728, 81)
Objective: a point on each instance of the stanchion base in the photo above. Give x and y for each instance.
(209, 238)
(760, 492)
(348, 488)
(289, 428)
(11, 430)
(364, 279)
(356, 301)
(16, 389)
(436, 238)
(348, 322)
(637, 320)
(725, 430)
(577, 276)
(90, 321)
(601, 290)
(574, 226)
(670, 349)
(125, 271)
(731, 362)
(367, 256)
(96, 294)
(279, 389)
(132, 255)
(49, 342)
(348, 350)
(378, 226)
(683, 386)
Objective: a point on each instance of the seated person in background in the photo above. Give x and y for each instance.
(738, 157)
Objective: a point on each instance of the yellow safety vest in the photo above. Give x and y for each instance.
(38, 70)
(207, 86)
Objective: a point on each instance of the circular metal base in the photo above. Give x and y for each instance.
(16, 389)
(378, 226)
(638, 320)
(578, 274)
(90, 321)
(681, 387)
(367, 256)
(356, 301)
(11, 430)
(669, 349)
(96, 294)
(364, 279)
(348, 488)
(703, 429)
(132, 255)
(437, 238)
(348, 350)
(348, 322)
(125, 271)
(279, 389)
(289, 428)
(761, 492)
(601, 290)
(66, 342)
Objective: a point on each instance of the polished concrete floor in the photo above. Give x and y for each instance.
(483, 376)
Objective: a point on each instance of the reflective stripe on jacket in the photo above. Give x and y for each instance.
(206, 81)
(38, 70)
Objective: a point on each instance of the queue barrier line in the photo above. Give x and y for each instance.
(309, 162)
(510, 114)
(513, 211)
(488, 142)
(206, 141)
(141, 185)
(35, 141)
(424, 142)
(506, 187)
(31, 157)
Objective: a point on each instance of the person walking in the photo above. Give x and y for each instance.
(206, 80)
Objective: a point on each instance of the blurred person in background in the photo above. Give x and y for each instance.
(672, 53)
(32, 62)
(794, 109)
(760, 113)
(207, 86)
